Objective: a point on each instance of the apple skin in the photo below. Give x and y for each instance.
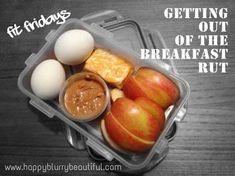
(123, 138)
(132, 89)
(153, 108)
(133, 125)
(154, 93)
(153, 85)
(157, 78)
(108, 138)
(135, 119)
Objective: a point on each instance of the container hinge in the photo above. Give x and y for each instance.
(161, 147)
(110, 21)
(182, 113)
(156, 41)
(102, 31)
(45, 109)
(108, 156)
(74, 138)
(103, 18)
(50, 35)
(29, 60)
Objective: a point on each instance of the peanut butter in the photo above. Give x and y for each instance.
(84, 98)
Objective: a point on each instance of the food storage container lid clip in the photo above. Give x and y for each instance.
(103, 152)
(103, 18)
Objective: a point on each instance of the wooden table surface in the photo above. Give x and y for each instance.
(205, 141)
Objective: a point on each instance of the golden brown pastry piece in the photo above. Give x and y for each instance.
(111, 68)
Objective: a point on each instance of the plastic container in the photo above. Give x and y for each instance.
(124, 38)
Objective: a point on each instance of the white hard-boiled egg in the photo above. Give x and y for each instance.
(47, 79)
(74, 46)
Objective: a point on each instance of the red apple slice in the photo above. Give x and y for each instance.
(152, 108)
(156, 78)
(135, 119)
(108, 139)
(123, 137)
(155, 93)
(132, 89)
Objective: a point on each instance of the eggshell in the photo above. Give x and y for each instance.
(74, 47)
(47, 79)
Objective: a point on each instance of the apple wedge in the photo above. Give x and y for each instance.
(123, 138)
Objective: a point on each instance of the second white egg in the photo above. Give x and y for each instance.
(74, 46)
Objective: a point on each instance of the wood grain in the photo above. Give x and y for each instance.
(205, 141)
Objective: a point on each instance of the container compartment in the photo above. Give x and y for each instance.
(91, 130)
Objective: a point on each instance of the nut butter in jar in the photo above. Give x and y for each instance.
(84, 96)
